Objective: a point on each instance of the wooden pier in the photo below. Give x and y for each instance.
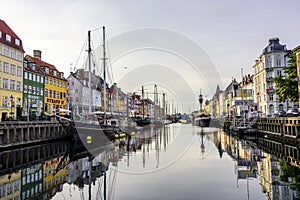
(18, 133)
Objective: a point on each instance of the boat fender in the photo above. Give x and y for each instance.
(89, 139)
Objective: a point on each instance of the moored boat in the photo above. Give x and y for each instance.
(202, 118)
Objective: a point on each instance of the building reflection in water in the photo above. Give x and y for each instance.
(42, 171)
(253, 159)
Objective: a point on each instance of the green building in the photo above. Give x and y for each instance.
(33, 105)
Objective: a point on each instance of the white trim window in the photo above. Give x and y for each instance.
(5, 67)
(18, 86)
(12, 69)
(17, 42)
(12, 84)
(8, 38)
(5, 83)
(19, 57)
(13, 54)
(19, 71)
(6, 50)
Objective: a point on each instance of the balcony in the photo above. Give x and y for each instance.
(269, 79)
(270, 90)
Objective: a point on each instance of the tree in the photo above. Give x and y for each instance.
(287, 87)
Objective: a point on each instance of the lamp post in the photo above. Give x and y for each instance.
(11, 106)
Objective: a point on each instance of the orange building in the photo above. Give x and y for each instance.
(297, 52)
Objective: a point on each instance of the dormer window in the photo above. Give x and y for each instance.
(54, 73)
(33, 66)
(61, 75)
(8, 38)
(17, 42)
(47, 70)
(0, 34)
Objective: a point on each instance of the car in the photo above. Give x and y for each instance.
(292, 113)
(279, 113)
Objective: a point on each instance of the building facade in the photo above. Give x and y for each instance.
(269, 65)
(33, 98)
(297, 52)
(11, 73)
(55, 94)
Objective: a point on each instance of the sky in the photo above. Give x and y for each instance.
(182, 46)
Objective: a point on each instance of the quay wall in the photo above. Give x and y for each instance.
(286, 128)
(17, 133)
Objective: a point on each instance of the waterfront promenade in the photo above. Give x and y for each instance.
(18, 133)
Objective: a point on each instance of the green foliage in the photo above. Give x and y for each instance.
(287, 170)
(287, 87)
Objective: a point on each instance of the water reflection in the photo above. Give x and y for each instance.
(262, 168)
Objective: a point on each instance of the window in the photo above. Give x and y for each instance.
(54, 82)
(38, 90)
(50, 93)
(2, 190)
(25, 75)
(54, 94)
(13, 54)
(29, 89)
(0, 34)
(12, 69)
(33, 90)
(12, 84)
(6, 50)
(60, 84)
(42, 79)
(54, 72)
(19, 71)
(4, 101)
(30, 76)
(16, 186)
(46, 92)
(46, 80)
(20, 56)
(37, 78)
(18, 86)
(5, 67)
(50, 81)
(33, 77)
(271, 97)
(25, 88)
(5, 83)
(8, 38)
(47, 70)
(0, 47)
(17, 42)
(9, 188)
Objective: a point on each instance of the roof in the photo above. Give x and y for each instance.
(41, 63)
(273, 46)
(5, 29)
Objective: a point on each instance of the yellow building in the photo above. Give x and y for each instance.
(11, 73)
(10, 186)
(55, 84)
(54, 177)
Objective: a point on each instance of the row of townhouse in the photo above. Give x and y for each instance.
(28, 85)
(255, 92)
(84, 99)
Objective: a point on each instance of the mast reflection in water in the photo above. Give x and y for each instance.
(178, 161)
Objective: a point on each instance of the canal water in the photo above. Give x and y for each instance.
(178, 161)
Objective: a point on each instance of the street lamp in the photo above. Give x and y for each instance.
(11, 106)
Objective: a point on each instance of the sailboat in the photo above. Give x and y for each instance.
(142, 120)
(202, 118)
(98, 123)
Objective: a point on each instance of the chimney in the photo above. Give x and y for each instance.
(37, 54)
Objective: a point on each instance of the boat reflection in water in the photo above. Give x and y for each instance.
(263, 169)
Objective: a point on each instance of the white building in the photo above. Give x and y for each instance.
(269, 65)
